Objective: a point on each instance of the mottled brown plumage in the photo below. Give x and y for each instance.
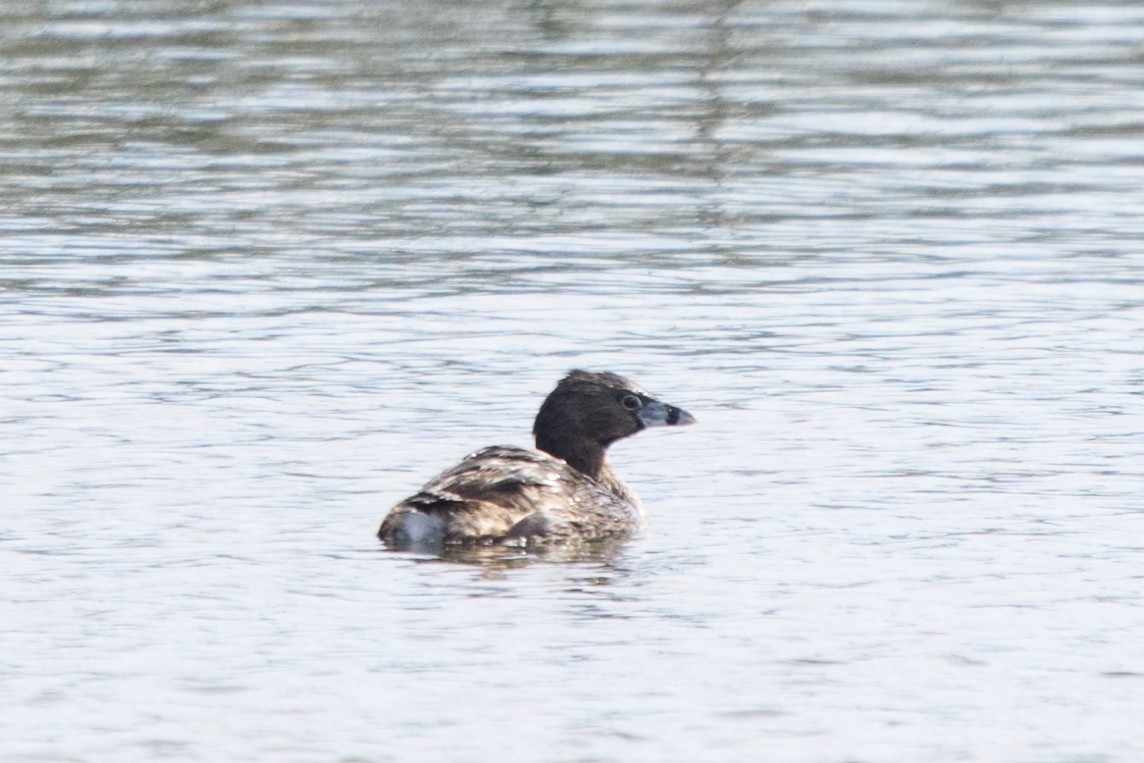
(563, 490)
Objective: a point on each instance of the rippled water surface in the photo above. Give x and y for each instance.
(266, 267)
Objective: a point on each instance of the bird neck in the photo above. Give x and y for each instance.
(583, 455)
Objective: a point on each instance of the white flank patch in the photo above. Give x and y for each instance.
(422, 529)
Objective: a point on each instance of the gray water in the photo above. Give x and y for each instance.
(267, 267)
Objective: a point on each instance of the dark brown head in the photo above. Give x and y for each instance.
(587, 412)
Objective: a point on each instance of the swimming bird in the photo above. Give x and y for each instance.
(563, 490)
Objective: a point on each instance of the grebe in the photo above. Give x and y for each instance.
(563, 490)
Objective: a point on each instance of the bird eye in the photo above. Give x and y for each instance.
(631, 402)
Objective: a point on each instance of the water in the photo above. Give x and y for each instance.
(266, 268)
